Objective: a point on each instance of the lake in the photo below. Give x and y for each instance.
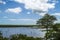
(35, 32)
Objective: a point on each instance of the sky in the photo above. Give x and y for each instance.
(27, 11)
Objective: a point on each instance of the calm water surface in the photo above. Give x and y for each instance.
(22, 30)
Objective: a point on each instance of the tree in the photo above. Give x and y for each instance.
(47, 21)
(56, 32)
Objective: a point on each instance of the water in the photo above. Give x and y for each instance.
(22, 30)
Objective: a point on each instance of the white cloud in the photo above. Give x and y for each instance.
(12, 19)
(56, 14)
(42, 5)
(28, 20)
(14, 10)
(28, 13)
(58, 21)
(41, 14)
(22, 20)
(2, 2)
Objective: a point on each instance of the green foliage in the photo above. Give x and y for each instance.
(23, 37)
(47, 21)
(19, 37)
(56, 33)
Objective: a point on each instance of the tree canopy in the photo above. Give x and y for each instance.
(47, 21)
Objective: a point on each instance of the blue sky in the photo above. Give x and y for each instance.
(27, 12)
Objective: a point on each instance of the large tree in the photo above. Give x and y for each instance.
(47, 21)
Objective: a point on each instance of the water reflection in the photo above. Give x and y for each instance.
(22, 30)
